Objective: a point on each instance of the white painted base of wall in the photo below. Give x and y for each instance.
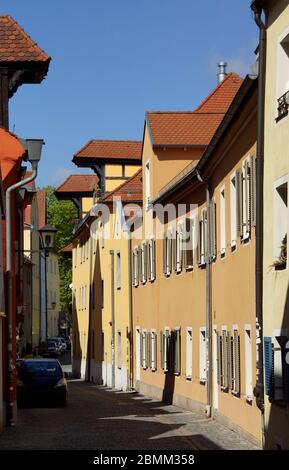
(79, 368)
(106, 374)
(96, 373)
(120, 376)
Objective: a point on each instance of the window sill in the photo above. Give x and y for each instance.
(236, 394)
(282, 116)
(203, 382)
(225, 389)
(189, 268)
(249, 400)
(189, 378)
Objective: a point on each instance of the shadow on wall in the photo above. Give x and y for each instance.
(94, 352)
(276, 366)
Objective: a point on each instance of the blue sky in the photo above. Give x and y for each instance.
(114, 59)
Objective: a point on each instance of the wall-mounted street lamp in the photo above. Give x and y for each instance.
(47, 236)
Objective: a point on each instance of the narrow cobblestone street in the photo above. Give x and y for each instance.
(97, 418)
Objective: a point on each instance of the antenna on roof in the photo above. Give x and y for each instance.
(222, 71)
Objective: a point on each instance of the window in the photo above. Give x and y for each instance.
(118, 270)
(147, 184)
(235, 362)
(143, 262)
(119, 357)
(202, 352)
(233, 211)
(283, 76)
(165, 343)
(176, 345)
(213, 229)
(152, 259)
(136, 266)
(222, 222)
(189, 244)
(246, 200)
(248, 364)
(189, 354)
(153, 350)
(202, 238)
(179, 247)
(280, 223)
(144, 350)
(224, 359)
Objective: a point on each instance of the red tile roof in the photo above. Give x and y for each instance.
(195, 128)
(222, 96)
(182, 129)
(111, 149)
(41, 203)
(129, 191)
(16, 45)
(78, 184)
(12, 153)
(67, 249)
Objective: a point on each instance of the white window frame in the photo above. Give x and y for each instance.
(118, 270)
(179, 246)
(233, 210)
(151, 251)
(136, 266)
(223, 221)
(147, 184)
(119, 349)
(190, 244)
(189, 353)
(248, 363)
(144, 349)
(281, 90)
(153, 350)
(281, 214)
(144, 266)
(202, 237)
(169, 251)
(202, 355)
(234, 363)
(245, 231)
(166, 339)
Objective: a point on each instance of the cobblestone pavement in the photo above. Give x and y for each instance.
(98, 418)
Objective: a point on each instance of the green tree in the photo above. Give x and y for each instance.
(60, 214)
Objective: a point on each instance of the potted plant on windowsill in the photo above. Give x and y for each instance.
(281, 261)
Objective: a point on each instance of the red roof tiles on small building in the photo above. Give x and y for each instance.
(84, 184)
(129, 191)
(111, 150)
(16, 45)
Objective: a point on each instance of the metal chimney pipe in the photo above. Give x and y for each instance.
(222, 71)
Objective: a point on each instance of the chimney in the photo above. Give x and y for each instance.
(222, 71)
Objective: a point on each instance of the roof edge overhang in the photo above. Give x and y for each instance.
(90, 162)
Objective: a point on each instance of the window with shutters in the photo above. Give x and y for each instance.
(153, 350)
(136, 266)
(280, 223)
(119, 355)
(152, 259)
(176, 350)
(213, 231)
(248, 364)
(202, 353)
(188, 244)
(235, 363)
(246, 223)
(144, 350)
(280, 365)
(165, 347)
(169, 252)
(189, 353)
(233, 211)
(179, 247)
(202, 238)
(144, 262)
(282, 86)
(224, 360)
(118, 270)
(222, 222)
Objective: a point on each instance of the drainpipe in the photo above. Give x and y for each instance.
(208, 300)
(112, 322)
(130, 315)
(11, 413)
(259, 389)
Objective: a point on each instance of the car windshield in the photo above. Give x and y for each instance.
(41, 369)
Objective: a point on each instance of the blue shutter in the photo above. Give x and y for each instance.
(268, 356)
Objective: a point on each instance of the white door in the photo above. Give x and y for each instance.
(215, 369)
(137, 344)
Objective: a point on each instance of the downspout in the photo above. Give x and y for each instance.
(208, 300)
(130, 315)
(259, 389)
(112, 322)
(91, 306)
(11, 413)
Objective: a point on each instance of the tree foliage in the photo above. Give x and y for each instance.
(60, 214)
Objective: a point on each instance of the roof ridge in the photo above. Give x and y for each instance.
(116, 140)
(23, 32)
(219, 85)
(184, 112)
